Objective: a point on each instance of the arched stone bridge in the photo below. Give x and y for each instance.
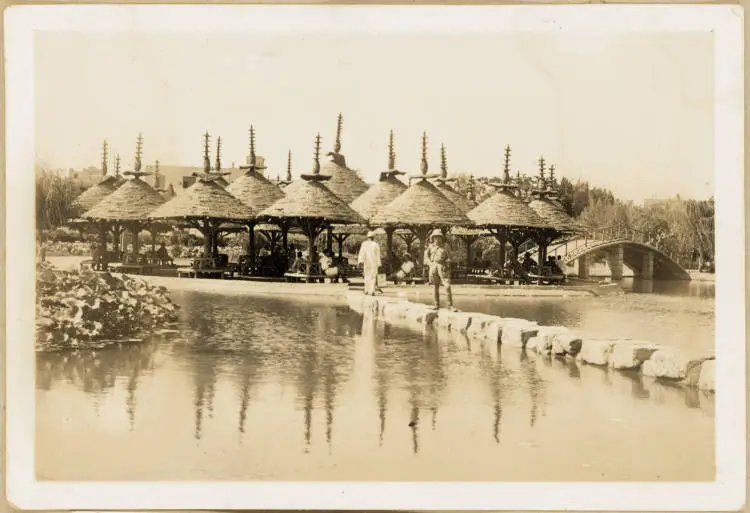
(622, 249)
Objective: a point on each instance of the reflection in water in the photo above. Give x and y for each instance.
(274, 368)
(97, 372)
(535, 385)
(495, 374)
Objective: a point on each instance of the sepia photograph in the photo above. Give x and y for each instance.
(385, 256)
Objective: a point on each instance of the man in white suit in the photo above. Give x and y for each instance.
(369, 258)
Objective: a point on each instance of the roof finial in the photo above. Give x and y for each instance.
(289, 167)
(206, 159)
(552, 182)
(391, 153)
(541, 171)
(316, 161)
(104, 158)
(117, 166)
(339, 127)
(252, 147)
(443, 163)
(138, 151)
(156, 168)
(218, 154)
(424, 153)
(506, 167)
(472, 188)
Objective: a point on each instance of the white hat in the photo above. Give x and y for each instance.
(436, 233)
(371, 233)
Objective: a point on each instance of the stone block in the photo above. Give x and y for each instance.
(484, 328)
(630, 355)
(566, 343)
(708, 376)
(666, 363)
(596, 351)
(518, 333)
(453, 321)
(546, 335)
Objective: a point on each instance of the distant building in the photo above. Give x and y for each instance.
(85, 178)
(180, 177)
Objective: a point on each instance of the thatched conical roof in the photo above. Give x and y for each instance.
(252, 188)
(553, 215)
(421, 204)
(134, 200)
(312, 200)
(344, 182)
(463, 204)
(388, 188)
(379, 195)
(204, 199)
(96, 193)
(505, 209)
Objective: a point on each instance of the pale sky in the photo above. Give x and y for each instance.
(633, 113)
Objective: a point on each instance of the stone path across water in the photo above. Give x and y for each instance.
(652, 361)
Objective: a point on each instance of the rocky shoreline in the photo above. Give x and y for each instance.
(652, 361)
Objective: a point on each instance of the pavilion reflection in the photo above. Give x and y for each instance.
(96, 372)
(413, 362)
(536, 386)
(497, 377)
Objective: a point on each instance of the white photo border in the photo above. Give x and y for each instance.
(726, 493)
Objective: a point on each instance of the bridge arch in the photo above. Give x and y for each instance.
(646, 261)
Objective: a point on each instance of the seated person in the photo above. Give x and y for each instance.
(162, 255)
(328, 268)
(528, 262)
(405, 271)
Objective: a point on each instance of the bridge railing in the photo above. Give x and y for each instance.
(592, 237)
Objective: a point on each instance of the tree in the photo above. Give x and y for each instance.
(54, 199)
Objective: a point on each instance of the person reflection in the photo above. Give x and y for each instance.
(535, 385)
(382, 370)
(493, 371)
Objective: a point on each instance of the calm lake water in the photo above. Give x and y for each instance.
(266, 389)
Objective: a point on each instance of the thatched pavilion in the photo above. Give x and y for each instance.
(388, 188)
(507, 217)
(557, 220)
(421, 208)
(93, 195)
(312, 207)
(205, 206)
(255, 191)
(129, 206)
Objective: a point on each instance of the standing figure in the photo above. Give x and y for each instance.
(438, 258)
(369, 258)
